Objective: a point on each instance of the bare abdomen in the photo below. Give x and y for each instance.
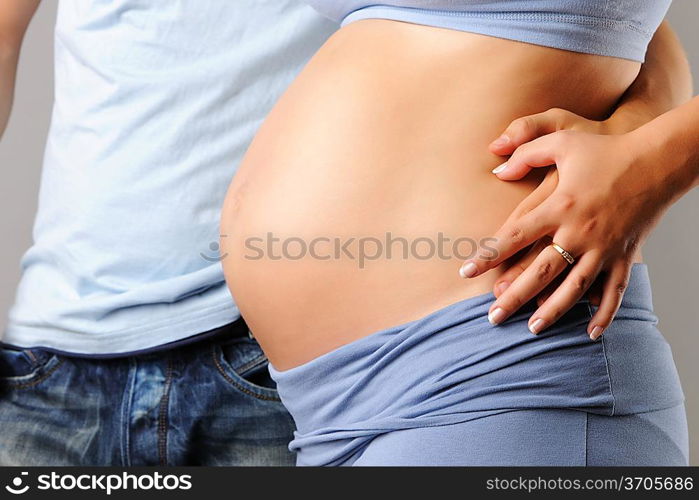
(383, 138)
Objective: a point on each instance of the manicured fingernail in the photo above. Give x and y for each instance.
(596, 333)
(537, 326)
(499, 169)
(468, 270)
(501, 287)
(501, 141)
(497, 316)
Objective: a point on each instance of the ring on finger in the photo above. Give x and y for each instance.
(564, 253)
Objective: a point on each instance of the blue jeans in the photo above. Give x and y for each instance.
(211, 402)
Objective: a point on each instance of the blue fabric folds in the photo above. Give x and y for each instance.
(452, 366)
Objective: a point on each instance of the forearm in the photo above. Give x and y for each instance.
(8, 70)
(664, 82)
(15, 16)
(669, 148)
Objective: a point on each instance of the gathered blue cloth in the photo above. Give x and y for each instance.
(453, 366)
(618, 28)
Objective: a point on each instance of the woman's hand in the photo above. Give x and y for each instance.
(528, 128)
(599, 204)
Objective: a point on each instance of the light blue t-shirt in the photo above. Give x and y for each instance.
(156, 102)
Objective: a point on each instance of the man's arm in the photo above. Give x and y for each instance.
(15, 16)
(665, 82)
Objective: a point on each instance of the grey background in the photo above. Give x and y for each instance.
(671, 252)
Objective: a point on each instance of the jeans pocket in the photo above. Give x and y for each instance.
(23, 368)
(243, 365)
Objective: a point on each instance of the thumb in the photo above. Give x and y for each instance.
(542, 152)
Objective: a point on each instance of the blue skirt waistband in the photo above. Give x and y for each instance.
(453, 366)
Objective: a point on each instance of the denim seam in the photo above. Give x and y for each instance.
(606, 364)
(125, 415)
(252, 364)
(163, 415)
(36, 381)
(32, 356)
(238, 386)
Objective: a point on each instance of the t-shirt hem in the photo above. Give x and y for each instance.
(137, 340)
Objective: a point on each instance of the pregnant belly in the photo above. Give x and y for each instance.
(370, 181)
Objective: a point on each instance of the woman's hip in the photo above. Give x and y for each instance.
(453, 366)
(540, 437)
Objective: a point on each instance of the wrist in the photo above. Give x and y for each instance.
(626, 119)
(667, 160)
